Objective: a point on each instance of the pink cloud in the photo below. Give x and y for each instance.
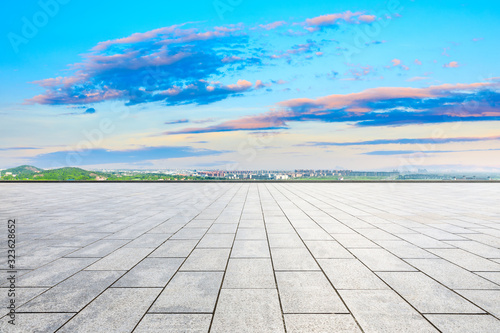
(241, 85)
(272, 25)
(316, 23)
(452, 64)
(231, 59)
(367, 18)
(417, 78)
(418, 62)
(396, 62)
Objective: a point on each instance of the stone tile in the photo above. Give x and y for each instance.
(190, 233)
(492, 276)
(216, 241)
(174, 248)
(223, 228)
(427, 295)
(381, 260)
(314, 234)
(189, 292)
(174, 323)
(320, 323)
(465, 323)
(149, 240)
(117, 310)
(354, 241)
(477, 248)
(405, 250)
(23, 295)
(206, 260)
(467, 260)
(307, 292)
(350, 274)
(285, 240)
(121, 260)
(327, 250)
(251, 234)
(424, 241)
(384, 311)
(486, 299)
(72, 294)
(293, 259)
(151, 272)
(35, 322)
(250, 249)
(53, 273)
(99, 249)
(248, 310)
(452, 276)
(249, 273)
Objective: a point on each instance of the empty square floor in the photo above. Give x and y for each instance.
(251, 257)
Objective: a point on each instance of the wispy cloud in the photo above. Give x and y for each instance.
(421, 152)
(105, 156)
(452, 64)
(179, 121)
(403, 141)
(17, 148)
(333, 20)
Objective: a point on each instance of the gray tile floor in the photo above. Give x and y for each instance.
(239, 257)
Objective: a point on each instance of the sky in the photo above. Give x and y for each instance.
(242, 85)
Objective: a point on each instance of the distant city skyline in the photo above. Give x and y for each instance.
(251, 85)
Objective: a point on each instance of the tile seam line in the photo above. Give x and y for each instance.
(315, 260)
(229, 256)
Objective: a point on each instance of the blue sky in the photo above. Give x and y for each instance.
(381, 85)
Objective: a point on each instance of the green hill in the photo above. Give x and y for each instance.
(27, 172)
(23, 171)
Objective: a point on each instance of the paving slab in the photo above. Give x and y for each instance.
(194, 292)
(115, 310)
(248, 310)
(174, 323)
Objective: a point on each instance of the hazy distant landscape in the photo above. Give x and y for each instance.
(32, 173)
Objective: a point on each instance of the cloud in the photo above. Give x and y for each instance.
(90, 111)
(452, 64)
(105, 156)
(259, 84)
(421, 152)
(418, 62)
(396, 62)
(179, 121)
(171, 65)
(333, 20)
(405, 141)
(366, 18)
(418, 78)
(383, 106)
(17, 148)
(272, 25)
(477, 39)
